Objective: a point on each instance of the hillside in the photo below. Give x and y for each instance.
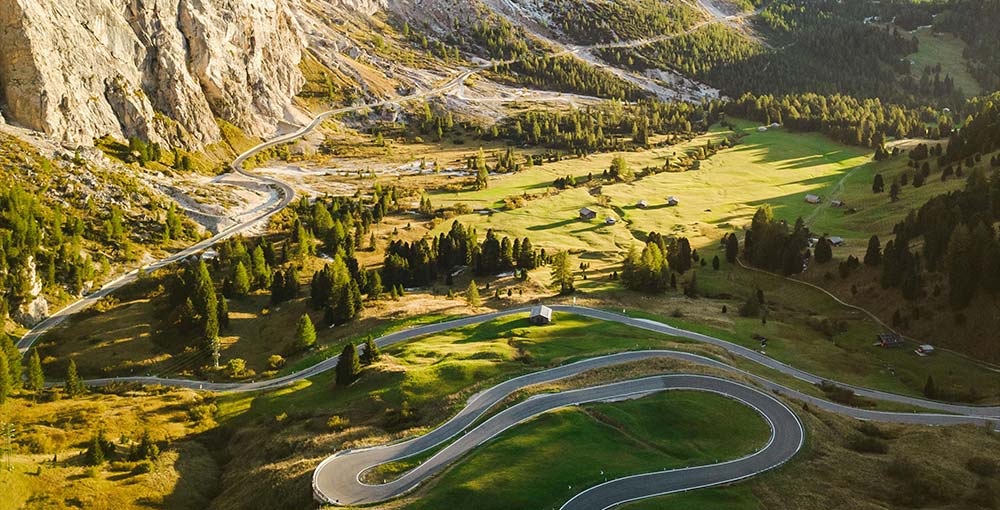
(575, 254)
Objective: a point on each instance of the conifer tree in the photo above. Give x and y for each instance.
(5, 385)
(8, 349)
(305, 332)
(472, 294)
(348, 365)
(73, 386)
(36, 378)
(372, 352)
(241, 280)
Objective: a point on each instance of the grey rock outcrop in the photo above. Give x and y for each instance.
(163, 70)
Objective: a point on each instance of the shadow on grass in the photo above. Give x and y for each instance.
(551, 226)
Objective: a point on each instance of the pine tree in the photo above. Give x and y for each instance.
(732, 248)
(691, 290)
(372, 352)
(929, 389)
(5, 385)
(8, 349)
(94, 456)
(716, 263)
(472, 294)
(241, 280)
(305, 332)
(878, 185)
(375, 286)
(223, 313)
(348, 365)
(36, 378)
(73, 386)
(562, 273)
(824, 251)
(873, 257)
(291, 283)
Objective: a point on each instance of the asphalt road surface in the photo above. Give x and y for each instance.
(337, 479)
(285, 195)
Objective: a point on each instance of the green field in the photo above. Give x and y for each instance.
(776, 167)
(944, 49)
(799, 337)
(425, 371)
(544, 462)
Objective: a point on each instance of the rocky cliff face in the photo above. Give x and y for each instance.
(157, 69)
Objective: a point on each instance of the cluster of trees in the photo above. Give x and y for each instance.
(197, 307)
(975, 22)
(867, 122)
(12, 376)
(612, 126)
(655, 268)
(418, 263)
(100, 449)
(349, 363)
(47, 244)
(775, 245)
(815, 46)
(624, 20)
(958, 242)
(523, 61)
(337, 290)
(692, 54)
(568, 74)
(980, 133)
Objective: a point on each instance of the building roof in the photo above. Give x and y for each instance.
(587, 210)
(835, 240)
(541, 311)
(890, 338)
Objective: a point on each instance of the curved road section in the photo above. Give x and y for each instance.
(337, 479)
(284, 192)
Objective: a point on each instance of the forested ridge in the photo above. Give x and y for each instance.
(622, 20)
(57, 238)
(810, 46)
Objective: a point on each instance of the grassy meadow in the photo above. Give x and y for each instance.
(544, 462)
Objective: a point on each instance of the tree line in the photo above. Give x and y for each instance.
(419, 263)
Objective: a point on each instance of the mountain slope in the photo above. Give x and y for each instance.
(156, 70)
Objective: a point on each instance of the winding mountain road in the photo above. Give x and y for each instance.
(337, 480)
(285, 194)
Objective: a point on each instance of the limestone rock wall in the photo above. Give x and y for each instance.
(156, 69)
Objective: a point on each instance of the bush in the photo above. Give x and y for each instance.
(982, 466)
(275, 362)
(903, 469)
(237, 368)
(39, 443)
(337, 423)
(142, 468)
(843, 395)
(871, 430)
(203, 413)
(868, 444)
